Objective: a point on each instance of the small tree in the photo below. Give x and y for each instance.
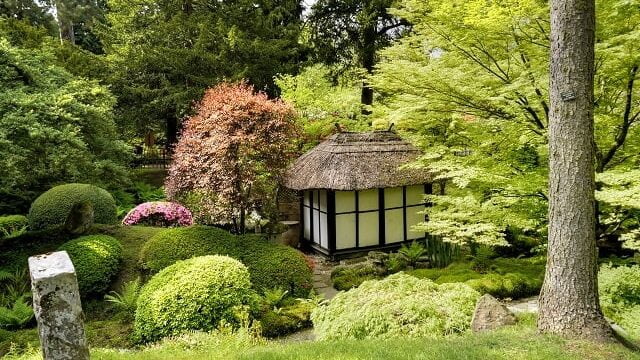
(232, 153)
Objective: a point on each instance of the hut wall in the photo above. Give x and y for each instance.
(315, 217)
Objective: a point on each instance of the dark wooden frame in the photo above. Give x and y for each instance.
(331, 250)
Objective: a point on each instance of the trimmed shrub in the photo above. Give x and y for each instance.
(286, 320)
(345, 277)
(194, 294)
(270, 265)
(159, 213)
(12, 223)
(510, 285)
(400, 305)
(96, 259)
(53, 207)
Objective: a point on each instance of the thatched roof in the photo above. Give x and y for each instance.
(357, 161)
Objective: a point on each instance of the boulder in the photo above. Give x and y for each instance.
(490, 314)
(80, 218)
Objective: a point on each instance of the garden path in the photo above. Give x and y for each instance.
(526, 305)
(322, 277)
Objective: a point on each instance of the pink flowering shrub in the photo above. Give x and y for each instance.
(159, 213)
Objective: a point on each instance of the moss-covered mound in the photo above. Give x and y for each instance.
(53, 207)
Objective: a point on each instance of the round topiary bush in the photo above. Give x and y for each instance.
(271, 265)
(53, 207)
(194, 294)
(400, 305)
(159, 213)
(96, 259)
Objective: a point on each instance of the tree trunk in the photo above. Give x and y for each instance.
(368, 55)
(171, 133)
(569, 304)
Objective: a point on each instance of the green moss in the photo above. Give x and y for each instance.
(53, 207)
(286, 320)
(96, 259)
(194, 294)
(345, 277)
(271, 265)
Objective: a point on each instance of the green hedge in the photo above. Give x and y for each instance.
(194, 294)
(96, 259)
(11, 223)
(53, 207)
(271, 265)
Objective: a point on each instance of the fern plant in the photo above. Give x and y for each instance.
(13, 286)
(413, 252)
(17, 316)
(127, 299)
(274, 298)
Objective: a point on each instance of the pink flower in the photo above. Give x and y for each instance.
(159, 213)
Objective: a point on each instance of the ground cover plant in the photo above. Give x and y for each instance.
(399, 305)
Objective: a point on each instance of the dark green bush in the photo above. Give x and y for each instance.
(194, 294)
(271, 265)
(53, 207)
(12, 223)
(96, 259)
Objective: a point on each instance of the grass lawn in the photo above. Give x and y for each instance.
(518, 342)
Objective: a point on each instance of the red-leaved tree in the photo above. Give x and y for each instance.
(232, 153)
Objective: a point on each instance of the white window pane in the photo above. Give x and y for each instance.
(368, 200)
(316, 227)
(393, 197)
(323, 200)
(414, 217)
(307, 223)
(415, 194)
(393, 226)
(345, 231)
(324, 234)
(368, 225)
(345, 201)
(307, 198)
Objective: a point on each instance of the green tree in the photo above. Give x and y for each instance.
(54, 128)
(352, 31)
(164, 54)
(471, 80)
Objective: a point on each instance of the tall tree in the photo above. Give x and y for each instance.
(166, 53)
(569, 303)
(344, 31)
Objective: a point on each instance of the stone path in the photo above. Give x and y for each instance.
(322, 277)
(527, 305)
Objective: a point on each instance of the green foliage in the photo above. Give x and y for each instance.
(53, 207)
(286, 320)
(12, 224)
(412, 253)
(482, 259)
(506, 278)
(400, 305)
(619, 196)
(321, 102)
(195, 294)
(271, 265)
(127, 299)
(274, 298)
(96, 259)
(345, 277)
(55, 128)
(16, 316)
(619, 289)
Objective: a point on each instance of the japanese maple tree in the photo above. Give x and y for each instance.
(232, 153)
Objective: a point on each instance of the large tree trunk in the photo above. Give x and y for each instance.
(368, 59)
(569, 303)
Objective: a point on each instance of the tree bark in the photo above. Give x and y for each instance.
(369, 37)
(569, 304)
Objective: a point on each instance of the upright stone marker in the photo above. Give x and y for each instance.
(56, 303)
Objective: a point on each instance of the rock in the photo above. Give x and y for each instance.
(56, 303)
(490, 314)
(291, 237)
(423, 265)
(80, 218)
(353, 261)
(377, 257)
